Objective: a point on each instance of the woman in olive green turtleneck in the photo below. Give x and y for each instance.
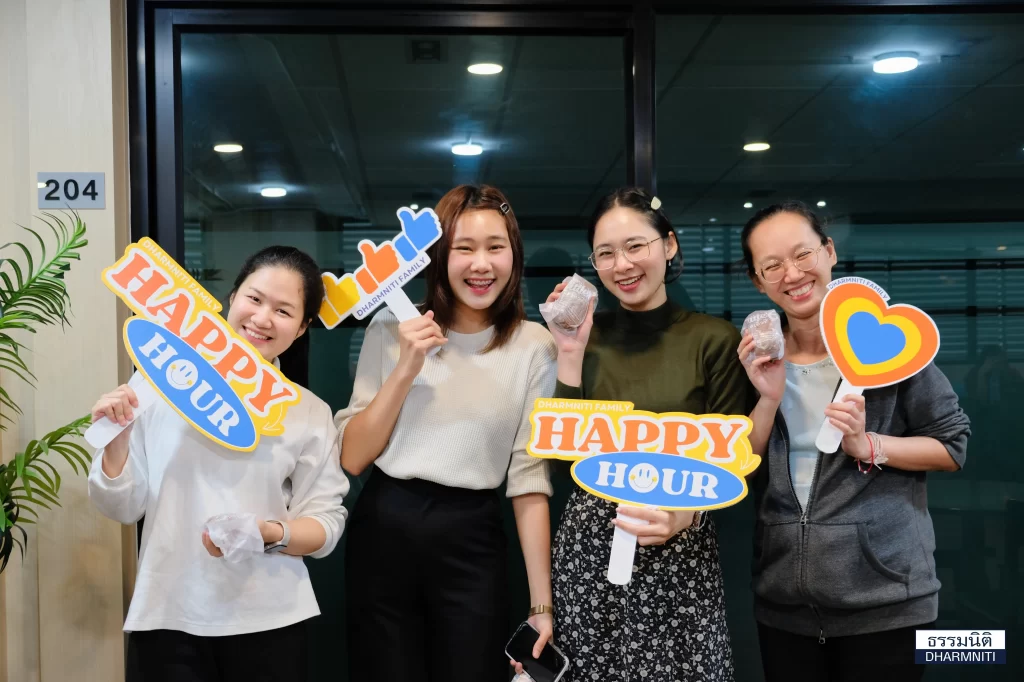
(668, 623)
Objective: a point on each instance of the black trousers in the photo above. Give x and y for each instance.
(172, 656)
(426, 584)
(875, 657)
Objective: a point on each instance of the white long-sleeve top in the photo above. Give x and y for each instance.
(178, 479)
(466, 420)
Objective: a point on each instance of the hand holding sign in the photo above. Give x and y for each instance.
(675, 462)
(872, 343)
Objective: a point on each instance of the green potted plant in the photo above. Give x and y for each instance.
(33, 293)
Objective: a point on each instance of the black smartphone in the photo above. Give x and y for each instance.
(552, 663)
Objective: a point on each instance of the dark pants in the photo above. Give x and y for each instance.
(173, 656)
(876, 657)
(426, 584)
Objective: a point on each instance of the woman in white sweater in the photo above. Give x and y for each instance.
(426, 563)
(194, 616)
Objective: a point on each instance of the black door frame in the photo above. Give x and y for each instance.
(155, 29)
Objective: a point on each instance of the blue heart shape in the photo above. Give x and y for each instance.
(873, 342)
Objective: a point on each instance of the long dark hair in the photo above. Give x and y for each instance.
(637, 199)
(507, 311)
(295, 359)
(789, 206)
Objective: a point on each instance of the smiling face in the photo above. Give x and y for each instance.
(480, 261)
(266, 310)
(788, 239)
(638, 285)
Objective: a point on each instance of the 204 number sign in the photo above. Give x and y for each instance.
(71, 190)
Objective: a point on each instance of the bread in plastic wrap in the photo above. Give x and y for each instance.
(236, 535)
(570, 310)
(766, 328)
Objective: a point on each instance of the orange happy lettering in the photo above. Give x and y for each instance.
(723, 434)
(600, 434)
(631, 438)
(566, 434)
(265, 394)
(208, 334)
(680, 435)
(175, 309)
(132, 272)
(237, 362)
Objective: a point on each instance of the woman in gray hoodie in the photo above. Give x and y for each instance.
(843, 570)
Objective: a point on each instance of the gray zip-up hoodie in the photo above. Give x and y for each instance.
(859, 559)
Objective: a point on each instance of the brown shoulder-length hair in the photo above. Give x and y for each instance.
(507, 312)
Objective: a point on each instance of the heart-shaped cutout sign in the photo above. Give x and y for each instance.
(872, 343)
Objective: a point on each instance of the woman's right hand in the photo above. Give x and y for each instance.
(117, 406)
(416, 337)
(568, 344)
(768, 375)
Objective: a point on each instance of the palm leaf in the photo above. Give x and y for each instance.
(33, 292)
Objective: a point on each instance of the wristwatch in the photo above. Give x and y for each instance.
(280, 545)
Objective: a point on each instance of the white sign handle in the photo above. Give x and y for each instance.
(829, 437)
(620, 563)
(104, 430)
(404, 309)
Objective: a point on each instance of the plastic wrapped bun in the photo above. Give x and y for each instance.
(570, 310)
(236, 535)
(766, 328)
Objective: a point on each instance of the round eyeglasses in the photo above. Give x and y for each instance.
(635, 250)
(773, 271)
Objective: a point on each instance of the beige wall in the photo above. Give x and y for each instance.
(62, 108)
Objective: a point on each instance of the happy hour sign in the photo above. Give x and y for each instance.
(196, 362)
(672, 461)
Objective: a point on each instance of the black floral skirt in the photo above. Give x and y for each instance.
(667, 625)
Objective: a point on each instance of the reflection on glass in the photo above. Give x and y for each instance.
(918, 172)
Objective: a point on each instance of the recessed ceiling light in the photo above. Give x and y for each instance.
(273, 192)
(714, 220)
(467, 149)
(756, 147)
(895, 62)
(822, 204)
(41, 185)
(748, 205)
(414, 207)
(708, 249)
(1000, 248)
(227, 148)
(486, 69)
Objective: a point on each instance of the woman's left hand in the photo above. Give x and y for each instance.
(661, 526)
(848, 417)
(544, 624)
(210, 547)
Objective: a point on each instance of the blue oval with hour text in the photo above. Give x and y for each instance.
(188, 382)
(658, 480)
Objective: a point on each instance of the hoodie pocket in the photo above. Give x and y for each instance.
(777, 564)
(842, 571)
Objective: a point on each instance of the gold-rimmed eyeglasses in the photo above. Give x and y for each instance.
(635, 250)
(804, 259)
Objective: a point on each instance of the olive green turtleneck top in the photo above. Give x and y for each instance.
(664, 360)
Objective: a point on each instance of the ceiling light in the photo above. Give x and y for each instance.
(227, 148)
(708, 249)
(484, 69)
(748, 205)
(895, 62)
(467, 149)
(414, 207)
(822, 204)
(273, 192)
(756, 147)
(41, 185)
(1000, 248)
(714, 220)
